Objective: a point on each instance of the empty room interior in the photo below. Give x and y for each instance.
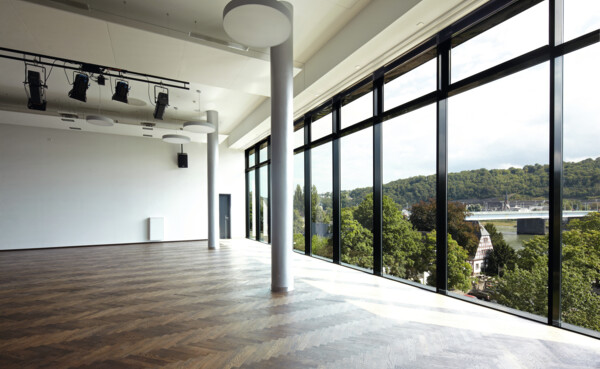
(299, 184)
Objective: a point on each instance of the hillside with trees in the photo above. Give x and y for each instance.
(581, 181)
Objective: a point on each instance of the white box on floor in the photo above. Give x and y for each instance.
(156, 228)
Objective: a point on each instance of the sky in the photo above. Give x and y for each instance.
(500, 125)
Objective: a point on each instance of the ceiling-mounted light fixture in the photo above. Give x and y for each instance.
(37, 89)
(161, 100)
(80, 86)
(101, 80)
(121, 91)
(99, 120)
(176, 139)
(199, 126)
(257, 23)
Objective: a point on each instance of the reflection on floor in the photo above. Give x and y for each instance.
(179, 305)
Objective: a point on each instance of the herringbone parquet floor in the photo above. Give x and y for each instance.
(179, 305)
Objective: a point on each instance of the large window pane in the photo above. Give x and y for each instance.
(357, 110)
(581, 17)
(251, 205)
(498, 188)
(299, 137)
(581, 190)
(321, 200)
(264, 152)
(321, 127)
(251, 158)
(410, 85)
(409, 166)
(263, 212)
(356, 167)
(522, 33)
(299, 222)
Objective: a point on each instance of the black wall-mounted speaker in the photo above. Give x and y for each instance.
(182, 160)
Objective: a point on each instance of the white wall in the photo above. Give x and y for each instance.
(72, 188)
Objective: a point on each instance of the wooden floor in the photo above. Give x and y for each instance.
(178, 305)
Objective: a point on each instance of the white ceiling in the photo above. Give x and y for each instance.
(152, 36)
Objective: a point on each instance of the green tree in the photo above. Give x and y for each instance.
(459, 270)
(465, 233)
(299, 243)
(526, 286)
(322, 246)
(503, 256)
(405, 252)
(299, 199)
(357, 241)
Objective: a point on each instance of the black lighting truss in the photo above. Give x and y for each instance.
(439, 47)
(100, 70)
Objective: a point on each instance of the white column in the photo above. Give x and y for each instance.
(282, 168)
(213, 193)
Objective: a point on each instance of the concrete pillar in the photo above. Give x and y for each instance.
(213, 192)
(531, 226)
(282, 165)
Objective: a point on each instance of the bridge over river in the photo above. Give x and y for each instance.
(528, 222)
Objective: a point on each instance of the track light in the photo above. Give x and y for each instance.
(161, 100)
(80, 86)
(161, 104)
(37, 92)
(121, 91)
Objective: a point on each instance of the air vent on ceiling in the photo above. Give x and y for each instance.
(68, 115)
(73, 4)
(231, 45)
(68, 120)
(145, 135)
(75, 128)
(147, 128)
(148, 124)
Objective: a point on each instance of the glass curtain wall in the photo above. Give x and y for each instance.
(258, 192)
(580, 300)
(299, 215)
(356, 184)
(457, 133)
(409, 196)
(321, 201)
(497, 186)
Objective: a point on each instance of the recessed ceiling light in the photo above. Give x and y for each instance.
(199, 126)
(176, 139)
(99, 120)
(357, 67)
(420, 24)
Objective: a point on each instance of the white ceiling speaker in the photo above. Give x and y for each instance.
(257, 23)
(176, 139)
(199, 126)
(99, 120)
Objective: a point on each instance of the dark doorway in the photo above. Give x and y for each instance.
(225, 216)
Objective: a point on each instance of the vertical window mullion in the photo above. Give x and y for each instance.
(257, 195)
(443, 81)
(336, 224)
(556, 24)
(377, 172)
(307, 188)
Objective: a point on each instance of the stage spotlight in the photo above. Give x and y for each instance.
(37, 93)
(121, 91)
(80, 86)
(161, 104)
(100, 80)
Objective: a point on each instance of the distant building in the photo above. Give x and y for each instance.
(483, 249)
